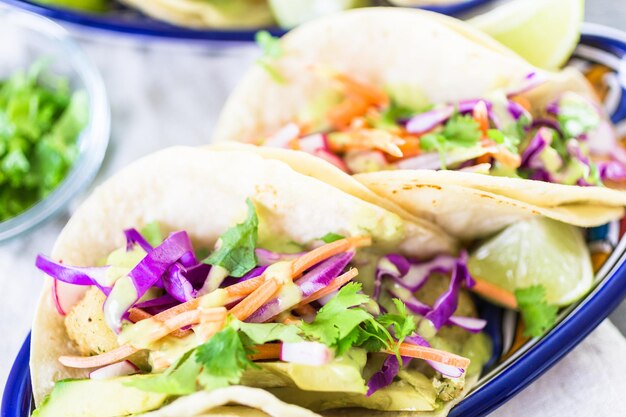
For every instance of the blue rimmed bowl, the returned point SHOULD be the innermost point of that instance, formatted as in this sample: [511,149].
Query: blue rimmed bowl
[130,22]
[516,363]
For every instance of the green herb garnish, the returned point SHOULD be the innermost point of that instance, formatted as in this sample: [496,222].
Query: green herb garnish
[236,246]
[538,315]
[40,122]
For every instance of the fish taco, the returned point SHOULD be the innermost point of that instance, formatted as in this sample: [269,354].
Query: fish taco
[198,282]
[418,102]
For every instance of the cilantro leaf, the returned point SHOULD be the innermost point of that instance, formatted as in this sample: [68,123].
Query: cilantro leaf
[337,319]
[538,315]
[272,50]
[510,142]
[459,131]
[236,250]
[373,336]
[223,358]
[260,333]
[402,323]
[389,116]
[331,237]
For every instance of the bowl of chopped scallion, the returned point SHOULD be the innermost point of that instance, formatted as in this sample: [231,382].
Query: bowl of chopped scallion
[54,121]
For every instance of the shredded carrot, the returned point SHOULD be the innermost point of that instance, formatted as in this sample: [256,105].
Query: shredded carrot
[305,310]
[410,147]
[342,114]
[208,328]
[370,93]
[367,139]
[243,288]
[483,159]
[317,255]
[289,319]
[481,116]
[432,354]
[266,351]
[188,318]
[523,101]
[137,314]
[255,300]
[331,287]
[495,293]
[507,158]
[97,361]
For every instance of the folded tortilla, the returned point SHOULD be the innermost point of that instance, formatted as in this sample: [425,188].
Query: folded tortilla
[426,58]
[203,192]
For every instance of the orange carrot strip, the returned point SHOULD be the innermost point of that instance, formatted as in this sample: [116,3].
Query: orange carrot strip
[254,301]
[97,361]
[495,293]
[289,319]
[370,93]
[266,351]
[206,329]
[305,310]
[333,286]
[432,354]
[367,139]
[324,252]
[244,288]
[137,314]
[481,116]
[341,115]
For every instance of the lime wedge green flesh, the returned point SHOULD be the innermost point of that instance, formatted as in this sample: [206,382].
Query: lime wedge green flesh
[544,32]
[536,252]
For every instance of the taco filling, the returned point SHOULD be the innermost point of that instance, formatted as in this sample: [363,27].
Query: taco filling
[362,128]
[333,324]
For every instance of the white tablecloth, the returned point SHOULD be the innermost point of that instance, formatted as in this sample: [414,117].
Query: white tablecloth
[171,94]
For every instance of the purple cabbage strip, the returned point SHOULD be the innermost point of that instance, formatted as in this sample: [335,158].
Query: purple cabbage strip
[387,373]
[253,273]
[266,257]
[515,109]
[177,285]
[314,280]
[447,303]
[399,268]
[419,272]
[148,272]
[157,305]
[611,170]
[445,370]
[133,237]
[424,122]
[530,155]
[76,275]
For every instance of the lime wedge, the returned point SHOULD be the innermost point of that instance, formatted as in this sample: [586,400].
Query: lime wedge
[544,32]
[536,252]
[291,13]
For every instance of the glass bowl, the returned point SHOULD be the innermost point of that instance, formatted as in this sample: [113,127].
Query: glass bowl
[28,37]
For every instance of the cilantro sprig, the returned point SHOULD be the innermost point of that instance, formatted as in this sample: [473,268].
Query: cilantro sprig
[538,315]
[272,50]
[237,245]
[460,131]
[343,324]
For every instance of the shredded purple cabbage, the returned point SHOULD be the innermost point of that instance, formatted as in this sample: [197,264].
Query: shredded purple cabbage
[266,257]
[312,281]
[133,237]
[426,121]
[76,275]
[385,376]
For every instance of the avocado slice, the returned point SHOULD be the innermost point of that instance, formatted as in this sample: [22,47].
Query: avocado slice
[98,398]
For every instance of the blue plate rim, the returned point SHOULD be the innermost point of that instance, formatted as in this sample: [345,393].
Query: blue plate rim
[164,30]
[503,386]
